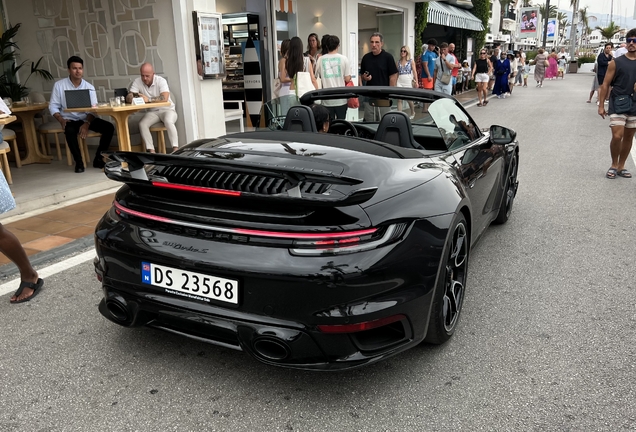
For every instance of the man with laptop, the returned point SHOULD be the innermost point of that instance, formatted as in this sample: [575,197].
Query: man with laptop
[150,88]
[75,92]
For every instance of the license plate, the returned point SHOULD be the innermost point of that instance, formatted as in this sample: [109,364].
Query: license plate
[190,284]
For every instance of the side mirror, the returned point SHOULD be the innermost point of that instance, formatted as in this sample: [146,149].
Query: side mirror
[501,135]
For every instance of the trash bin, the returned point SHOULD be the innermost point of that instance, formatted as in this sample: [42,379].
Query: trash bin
[574,66]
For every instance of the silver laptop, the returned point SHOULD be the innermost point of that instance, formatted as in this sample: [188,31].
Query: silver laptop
[78,98]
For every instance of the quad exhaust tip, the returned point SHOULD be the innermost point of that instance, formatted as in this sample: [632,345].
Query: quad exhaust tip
[118,311]
[271,349]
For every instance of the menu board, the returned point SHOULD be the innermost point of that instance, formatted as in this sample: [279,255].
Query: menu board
[209,44]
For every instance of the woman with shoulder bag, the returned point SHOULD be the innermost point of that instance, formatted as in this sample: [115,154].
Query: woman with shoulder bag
[284,79]
[406,67]
[299,69]
[540,64]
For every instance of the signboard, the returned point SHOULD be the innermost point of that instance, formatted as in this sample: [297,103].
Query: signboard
[530,22]
[553,29]
[208,37]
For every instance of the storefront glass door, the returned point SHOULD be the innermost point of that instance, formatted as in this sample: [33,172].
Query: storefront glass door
[391,25]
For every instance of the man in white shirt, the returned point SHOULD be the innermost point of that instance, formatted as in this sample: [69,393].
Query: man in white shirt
[75,123]
[621,50]
[153,88]
[334,71]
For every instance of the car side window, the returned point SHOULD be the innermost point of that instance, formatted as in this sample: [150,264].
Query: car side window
[455,126]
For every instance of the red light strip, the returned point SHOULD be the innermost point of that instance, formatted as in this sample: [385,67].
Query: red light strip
[274,234]
[142,215]
[196,189]
[367,325]
[305,235]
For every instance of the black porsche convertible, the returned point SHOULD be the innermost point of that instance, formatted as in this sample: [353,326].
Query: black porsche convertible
[305,249]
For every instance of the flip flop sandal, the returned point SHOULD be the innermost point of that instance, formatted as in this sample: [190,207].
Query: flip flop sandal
[624,173]
[611,173]
[480,104]
[486,103]
[36,287]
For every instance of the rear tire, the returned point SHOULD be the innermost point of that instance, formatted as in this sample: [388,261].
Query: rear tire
[510,191]
[451,286]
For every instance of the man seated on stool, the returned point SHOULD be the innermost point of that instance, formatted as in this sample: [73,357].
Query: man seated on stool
[151,88]
[79,123]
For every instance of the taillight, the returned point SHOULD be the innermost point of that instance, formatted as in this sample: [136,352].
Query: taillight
[358,327]
[353,242]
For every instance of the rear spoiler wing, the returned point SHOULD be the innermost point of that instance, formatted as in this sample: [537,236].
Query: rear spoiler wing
[130,168]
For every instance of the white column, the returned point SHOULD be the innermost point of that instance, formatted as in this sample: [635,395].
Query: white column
[202,100]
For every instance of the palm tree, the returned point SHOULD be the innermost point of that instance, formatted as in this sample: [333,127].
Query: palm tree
[575,5]
[609,31]
[584,20]
[563,24]
[552,11]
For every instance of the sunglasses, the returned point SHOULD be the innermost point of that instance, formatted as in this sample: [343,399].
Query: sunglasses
[630,40]
[482,53]
[402,50]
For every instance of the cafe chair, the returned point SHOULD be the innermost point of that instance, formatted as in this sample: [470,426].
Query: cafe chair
[160,128]
[44,131]
[86,157]
[4,149]
[37,97]
[9,135]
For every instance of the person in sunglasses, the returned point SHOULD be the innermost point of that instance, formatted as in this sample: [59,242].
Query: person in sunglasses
[481,76]
[621,76]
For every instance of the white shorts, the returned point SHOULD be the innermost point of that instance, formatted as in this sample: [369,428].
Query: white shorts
[623,120]
[481,77]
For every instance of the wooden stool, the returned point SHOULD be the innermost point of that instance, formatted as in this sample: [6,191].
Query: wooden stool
[9,135]
[160,128]
[52,128]
[4,149]
[84,147]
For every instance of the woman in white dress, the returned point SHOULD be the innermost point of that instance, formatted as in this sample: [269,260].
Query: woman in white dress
[406,78]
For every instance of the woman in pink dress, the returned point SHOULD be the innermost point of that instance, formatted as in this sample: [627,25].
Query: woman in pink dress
[553,70]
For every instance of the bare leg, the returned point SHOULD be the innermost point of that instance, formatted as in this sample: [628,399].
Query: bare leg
[616,144]
[11,247]
[625,147]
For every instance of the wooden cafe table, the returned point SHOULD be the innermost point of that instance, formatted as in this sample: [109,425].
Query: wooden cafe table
[120,114]
[26,113]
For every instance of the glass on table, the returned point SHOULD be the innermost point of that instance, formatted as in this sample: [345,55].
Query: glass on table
[113,102]
[26,100]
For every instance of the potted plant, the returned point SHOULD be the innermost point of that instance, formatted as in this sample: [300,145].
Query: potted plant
[9,85]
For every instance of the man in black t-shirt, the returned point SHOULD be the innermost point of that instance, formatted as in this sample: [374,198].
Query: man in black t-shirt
[377,68]
[620,76]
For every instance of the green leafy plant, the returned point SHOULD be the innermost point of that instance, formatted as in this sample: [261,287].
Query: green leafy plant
[586,59]
[9,83]
[481,10]
[421,19]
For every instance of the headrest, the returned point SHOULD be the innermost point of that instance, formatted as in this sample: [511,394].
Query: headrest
[300,118]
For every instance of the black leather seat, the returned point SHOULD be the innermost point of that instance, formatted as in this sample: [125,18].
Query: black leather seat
[300,118]
[395,128]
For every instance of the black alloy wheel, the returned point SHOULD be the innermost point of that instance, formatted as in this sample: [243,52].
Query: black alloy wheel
[451,286]
[510,191]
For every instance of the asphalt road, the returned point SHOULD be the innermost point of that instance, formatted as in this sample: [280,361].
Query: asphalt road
[546,340]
